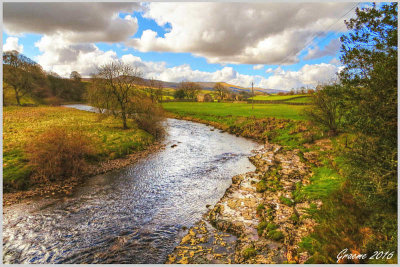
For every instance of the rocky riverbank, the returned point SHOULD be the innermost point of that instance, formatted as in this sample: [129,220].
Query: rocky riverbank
[258,219]
[67,186]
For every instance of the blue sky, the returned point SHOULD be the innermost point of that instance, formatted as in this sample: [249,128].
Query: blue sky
[161,42]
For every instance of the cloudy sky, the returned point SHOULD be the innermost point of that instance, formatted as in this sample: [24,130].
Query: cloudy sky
[279,46]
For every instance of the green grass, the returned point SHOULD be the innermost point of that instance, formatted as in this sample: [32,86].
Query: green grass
[324,181]
[22,124]
[226,110]
[276,97]
[306,99]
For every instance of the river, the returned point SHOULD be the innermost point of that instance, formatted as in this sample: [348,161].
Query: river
[136,214]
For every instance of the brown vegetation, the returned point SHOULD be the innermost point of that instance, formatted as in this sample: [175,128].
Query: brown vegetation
[58,153]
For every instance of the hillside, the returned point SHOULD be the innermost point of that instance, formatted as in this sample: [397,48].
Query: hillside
[210,86]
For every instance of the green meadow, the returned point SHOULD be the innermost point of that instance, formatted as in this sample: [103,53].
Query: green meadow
[228,110]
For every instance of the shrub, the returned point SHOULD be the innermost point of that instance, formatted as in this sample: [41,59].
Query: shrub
[58,153]
[148,116]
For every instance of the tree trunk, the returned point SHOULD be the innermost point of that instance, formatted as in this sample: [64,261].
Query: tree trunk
[123,115]
[17,97]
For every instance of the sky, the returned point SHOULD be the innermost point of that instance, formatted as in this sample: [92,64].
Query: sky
[274,45]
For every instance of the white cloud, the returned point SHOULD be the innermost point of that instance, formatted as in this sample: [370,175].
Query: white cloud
[78,22]
[329,50]
[12,44]
[258,67]
[256,33]
[308,75]
[63,57]
[269,70]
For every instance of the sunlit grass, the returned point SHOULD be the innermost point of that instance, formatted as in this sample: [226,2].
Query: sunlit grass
[22,124]
[202,110]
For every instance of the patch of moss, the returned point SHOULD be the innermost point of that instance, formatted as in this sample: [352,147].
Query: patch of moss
[294,218]
[261,227]
[261,186]
[249,252]
[275,235]
[286,201]
[271,226]
[260,208]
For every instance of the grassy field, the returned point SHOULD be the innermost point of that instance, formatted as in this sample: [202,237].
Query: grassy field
[305,99]
[228,110]
[22,124]
[276,97]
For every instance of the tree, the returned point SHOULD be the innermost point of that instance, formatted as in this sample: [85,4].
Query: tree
[190,89]
[23,75]
[116,85]
[221,91]
[370,73]
[370,58]
[179,94]
[369,195]
[75,76]
[154,89]
[327,108]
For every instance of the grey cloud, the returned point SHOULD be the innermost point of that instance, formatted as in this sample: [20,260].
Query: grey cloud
[329,50]
[251,33]
[80,22]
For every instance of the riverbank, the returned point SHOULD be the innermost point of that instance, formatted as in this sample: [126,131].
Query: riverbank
[259,214]
[111,145]
[269,212]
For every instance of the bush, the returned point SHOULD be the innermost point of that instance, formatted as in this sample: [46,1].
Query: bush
[149,116]
[58,153]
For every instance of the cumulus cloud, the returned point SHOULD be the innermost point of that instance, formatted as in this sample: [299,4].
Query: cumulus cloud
[258,67]
[12,44]
[329,50]
[256,33]
[308,75]
[63,57]
[78,22]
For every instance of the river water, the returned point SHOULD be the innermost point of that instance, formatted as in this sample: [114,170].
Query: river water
[133,215]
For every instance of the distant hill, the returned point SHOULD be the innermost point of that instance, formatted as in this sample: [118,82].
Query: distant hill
[235,88]
[210,86]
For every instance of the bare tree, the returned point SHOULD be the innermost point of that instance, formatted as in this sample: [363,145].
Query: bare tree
[221,91]
[190,89]
[154,89]
[117,83]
